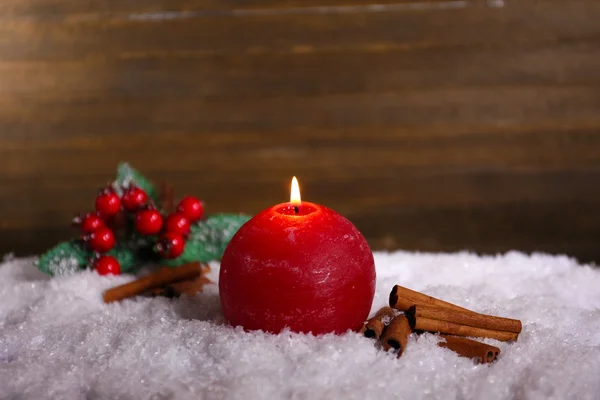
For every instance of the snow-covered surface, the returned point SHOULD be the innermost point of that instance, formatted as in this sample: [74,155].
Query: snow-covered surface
[58,340]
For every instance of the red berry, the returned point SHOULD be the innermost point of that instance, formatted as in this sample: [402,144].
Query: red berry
[170,245]
[105,265]
[100,240]
[191,207]
[88,222]
[134,198]
[148,221]
[177,223]
[108,202]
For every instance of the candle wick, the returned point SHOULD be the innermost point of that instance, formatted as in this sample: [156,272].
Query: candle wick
[296,209]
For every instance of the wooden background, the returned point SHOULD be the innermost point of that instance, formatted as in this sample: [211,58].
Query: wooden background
[432,125]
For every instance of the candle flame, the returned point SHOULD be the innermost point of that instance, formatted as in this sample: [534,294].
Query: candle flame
[295,192]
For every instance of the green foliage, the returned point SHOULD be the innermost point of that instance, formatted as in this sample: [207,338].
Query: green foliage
[64,259]
[209,238]
[126,175]
[127,258]
[68,258]
[206,242]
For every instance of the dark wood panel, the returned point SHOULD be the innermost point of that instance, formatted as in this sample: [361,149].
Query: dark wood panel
[505,105]
[59,8]
[522,225]
[297,32]
[438,125]
[243,76]
[452,171]
[363,152]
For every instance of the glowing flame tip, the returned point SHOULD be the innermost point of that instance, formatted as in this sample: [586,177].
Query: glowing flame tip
[295,192]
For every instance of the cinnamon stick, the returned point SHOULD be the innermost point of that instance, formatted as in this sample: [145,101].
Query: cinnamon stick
[402,299]
[465,318]
[451,328]
[160,278]
[177,289]
[189,288]
[481,352]
[374,326]
[396,334]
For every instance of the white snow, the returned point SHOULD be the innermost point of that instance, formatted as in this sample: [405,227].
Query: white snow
[58,340]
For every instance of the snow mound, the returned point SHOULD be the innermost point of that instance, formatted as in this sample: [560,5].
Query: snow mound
[58,340]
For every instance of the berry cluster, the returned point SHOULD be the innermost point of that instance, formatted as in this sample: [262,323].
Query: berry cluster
[171,230]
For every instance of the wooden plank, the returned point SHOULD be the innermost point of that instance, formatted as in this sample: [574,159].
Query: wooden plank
[51,8]
[424,172]
[541,148]
[503,105]
[240,76]
[292,33]
[530,227]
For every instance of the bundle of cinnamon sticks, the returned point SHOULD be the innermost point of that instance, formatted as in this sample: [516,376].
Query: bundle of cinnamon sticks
[187,279]
[411,311]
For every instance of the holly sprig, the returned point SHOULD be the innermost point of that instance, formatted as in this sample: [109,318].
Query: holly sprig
[69,257]
[124,238]
[209,238]
[128,177]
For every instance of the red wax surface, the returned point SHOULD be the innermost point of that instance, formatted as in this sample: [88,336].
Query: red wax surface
[309,271]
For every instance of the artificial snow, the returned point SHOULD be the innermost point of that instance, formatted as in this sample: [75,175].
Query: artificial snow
[58,340]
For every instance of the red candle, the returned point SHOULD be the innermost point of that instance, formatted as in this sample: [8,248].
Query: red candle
[297,265]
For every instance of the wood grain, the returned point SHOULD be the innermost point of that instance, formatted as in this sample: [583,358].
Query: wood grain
[432,125]
[110,35]
[46,8]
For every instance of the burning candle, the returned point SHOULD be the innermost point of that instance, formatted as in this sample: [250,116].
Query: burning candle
[297,265]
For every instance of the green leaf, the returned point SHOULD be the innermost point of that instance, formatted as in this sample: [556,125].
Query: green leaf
[126,175]
[127,258]
[209,238]
[66,258]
